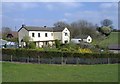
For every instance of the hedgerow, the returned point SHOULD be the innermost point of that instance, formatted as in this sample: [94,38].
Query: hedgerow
[48,54]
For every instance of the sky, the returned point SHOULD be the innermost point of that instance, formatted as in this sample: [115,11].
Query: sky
[14,14]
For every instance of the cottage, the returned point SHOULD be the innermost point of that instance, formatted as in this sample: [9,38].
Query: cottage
[82,38]
[44,36]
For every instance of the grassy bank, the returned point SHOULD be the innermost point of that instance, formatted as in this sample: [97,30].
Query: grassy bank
[111,39]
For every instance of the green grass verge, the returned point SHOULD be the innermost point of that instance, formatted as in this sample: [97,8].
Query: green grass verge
[16,72]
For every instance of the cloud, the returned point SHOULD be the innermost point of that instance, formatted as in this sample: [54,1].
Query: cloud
[72,4]
[67,14]
[28,5]
[40,0]
[20,6]
[63,19]
[50,7]
[93,16]
[62,5]
[60,0]
[108,5]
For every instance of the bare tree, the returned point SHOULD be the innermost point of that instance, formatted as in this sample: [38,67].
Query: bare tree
[5,32]
[82,27]
[61,24]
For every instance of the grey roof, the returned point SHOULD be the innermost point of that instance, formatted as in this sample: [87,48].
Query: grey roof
[81,37]
[58,29]
[33,28]
[114,47]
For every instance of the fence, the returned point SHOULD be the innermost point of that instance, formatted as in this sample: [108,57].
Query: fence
[61,60]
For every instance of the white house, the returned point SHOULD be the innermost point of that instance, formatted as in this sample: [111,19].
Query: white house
[75,40]
[84,38]
[87,39]
[44,36]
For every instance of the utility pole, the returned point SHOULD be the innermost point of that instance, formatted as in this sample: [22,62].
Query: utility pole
[15,28]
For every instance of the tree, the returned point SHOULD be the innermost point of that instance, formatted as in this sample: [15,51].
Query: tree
[106,30]
[9,35]
[57,43]
[26,39]
[106,27]
[82,27]
[78,28]
[61,24]
[5,32]
[106,22]
[32,45]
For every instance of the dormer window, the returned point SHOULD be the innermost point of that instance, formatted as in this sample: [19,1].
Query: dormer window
[33,34]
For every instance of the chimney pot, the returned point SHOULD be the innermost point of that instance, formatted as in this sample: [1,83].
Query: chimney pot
[23,25]
[45,26]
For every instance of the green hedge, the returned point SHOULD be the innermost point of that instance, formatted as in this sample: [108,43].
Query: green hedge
[49,54]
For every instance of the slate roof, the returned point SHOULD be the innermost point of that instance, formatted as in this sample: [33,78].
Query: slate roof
[58,29]
[33,28]
[81,37]
[114,47]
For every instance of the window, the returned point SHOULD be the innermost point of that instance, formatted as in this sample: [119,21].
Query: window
[79,40]
[33,35]
[51,34]
[88,39]
[66,34]
[46,35]
[38,34]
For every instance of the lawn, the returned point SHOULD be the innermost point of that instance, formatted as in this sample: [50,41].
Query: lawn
[17,72]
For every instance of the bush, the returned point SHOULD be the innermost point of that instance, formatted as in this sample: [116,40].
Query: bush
[57,43]
[64,49]
[85,50]
[48,54]
[32,45]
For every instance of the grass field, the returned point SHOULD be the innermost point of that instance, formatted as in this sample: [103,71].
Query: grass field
[16,72]
[112,39]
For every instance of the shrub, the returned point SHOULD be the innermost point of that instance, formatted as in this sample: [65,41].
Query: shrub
[64,49]
[57,43]
[32,45]
[48,54]
[85,50]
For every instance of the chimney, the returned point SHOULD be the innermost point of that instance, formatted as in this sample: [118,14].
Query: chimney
[23,25]
[45,26]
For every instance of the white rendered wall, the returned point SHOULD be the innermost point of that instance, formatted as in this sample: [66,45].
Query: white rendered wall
[42,35]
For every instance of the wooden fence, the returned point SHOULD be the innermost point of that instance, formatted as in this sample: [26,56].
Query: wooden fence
[60,60]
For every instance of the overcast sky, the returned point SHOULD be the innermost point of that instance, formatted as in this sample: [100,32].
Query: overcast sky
[14,14]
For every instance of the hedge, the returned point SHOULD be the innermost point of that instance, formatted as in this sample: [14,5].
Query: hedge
[49,54]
